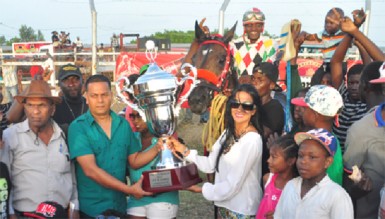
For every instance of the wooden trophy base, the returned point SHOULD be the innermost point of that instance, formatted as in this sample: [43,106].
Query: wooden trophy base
[166,180]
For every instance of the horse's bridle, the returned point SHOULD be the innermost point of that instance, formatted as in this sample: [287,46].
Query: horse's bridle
[221,82]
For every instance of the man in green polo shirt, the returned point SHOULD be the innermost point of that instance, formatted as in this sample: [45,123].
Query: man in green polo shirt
[100,142]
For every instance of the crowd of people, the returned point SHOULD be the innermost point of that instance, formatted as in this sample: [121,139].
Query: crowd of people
[63,40]
[69,156]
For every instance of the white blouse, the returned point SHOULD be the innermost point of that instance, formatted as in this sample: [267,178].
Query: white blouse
[237,184]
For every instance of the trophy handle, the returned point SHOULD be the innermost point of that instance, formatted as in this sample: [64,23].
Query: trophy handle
[127,88]
[183,80]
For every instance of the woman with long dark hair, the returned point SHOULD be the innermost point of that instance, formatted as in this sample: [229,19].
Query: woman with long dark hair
[235,159]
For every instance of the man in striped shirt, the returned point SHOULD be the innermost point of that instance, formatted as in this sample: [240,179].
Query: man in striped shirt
[331,36]
[354,109]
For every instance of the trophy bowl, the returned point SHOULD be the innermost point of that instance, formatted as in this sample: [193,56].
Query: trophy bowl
[155,92]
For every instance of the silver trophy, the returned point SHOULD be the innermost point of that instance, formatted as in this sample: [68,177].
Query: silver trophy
[155,91]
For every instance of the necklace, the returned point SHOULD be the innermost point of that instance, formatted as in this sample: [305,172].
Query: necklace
[72,112]
[234,139]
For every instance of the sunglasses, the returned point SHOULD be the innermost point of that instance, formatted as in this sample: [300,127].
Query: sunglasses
[133,116]
[246,106]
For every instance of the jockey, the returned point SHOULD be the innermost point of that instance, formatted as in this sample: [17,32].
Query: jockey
[252,48]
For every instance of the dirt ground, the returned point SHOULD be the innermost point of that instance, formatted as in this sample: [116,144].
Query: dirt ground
[193,205]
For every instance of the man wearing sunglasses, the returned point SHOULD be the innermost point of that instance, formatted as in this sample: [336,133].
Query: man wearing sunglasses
[252,48]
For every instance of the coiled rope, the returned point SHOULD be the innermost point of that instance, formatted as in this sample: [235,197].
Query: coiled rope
[216,123]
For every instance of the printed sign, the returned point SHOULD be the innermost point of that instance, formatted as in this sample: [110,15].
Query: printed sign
[160,179]
[129,63]
[29,47]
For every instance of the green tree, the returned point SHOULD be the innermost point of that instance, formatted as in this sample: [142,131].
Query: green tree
[3,41]
[40,36]
[13,40]
[176,36]
[27,34]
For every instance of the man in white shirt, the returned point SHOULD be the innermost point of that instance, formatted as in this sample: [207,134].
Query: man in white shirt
[37,156]
[79,44]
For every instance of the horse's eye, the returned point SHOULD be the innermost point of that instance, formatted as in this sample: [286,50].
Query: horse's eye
[222,59]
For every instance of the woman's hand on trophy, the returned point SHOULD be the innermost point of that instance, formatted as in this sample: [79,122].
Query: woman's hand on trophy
[194,188]
[175,145]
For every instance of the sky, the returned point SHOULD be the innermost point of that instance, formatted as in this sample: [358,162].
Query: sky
[146,17]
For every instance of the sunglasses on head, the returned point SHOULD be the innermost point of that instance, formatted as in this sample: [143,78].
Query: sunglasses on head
[133,116]
[246,106]
[251,15]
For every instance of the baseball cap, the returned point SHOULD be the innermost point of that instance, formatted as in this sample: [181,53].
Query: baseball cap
[322,136]
[323,99]
[69,70]
[48,209]
[270,71]
[381,79]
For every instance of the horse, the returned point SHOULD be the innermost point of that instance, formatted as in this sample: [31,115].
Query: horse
[211,56]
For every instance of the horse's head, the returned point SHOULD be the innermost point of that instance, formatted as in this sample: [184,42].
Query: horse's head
[212,59]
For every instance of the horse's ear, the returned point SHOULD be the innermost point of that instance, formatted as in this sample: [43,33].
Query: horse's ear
[199,34]
[230,34]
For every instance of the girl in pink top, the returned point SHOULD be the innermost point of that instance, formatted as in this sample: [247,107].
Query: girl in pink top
[283,155]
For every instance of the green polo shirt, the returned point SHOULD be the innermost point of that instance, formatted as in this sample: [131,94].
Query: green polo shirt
[336,169]
[85,136]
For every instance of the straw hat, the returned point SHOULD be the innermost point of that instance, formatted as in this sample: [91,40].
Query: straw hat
[38,88]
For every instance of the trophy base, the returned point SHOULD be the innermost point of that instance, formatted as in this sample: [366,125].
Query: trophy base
[166,180]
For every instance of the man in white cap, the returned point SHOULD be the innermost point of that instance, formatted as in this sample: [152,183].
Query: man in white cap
[322,106]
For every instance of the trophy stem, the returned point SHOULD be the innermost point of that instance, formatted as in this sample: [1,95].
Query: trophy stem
[166,159]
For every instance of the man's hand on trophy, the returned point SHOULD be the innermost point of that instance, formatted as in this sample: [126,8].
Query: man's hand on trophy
[137,190]
[194,188]
[160,144]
